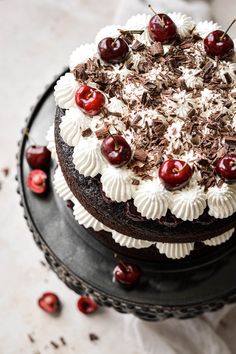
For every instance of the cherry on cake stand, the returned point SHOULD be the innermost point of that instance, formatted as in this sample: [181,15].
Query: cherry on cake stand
[183,289]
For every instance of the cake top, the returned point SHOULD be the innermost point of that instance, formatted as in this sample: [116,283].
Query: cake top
[151,106]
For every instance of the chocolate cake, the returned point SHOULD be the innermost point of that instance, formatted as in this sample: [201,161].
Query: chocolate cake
[144,136]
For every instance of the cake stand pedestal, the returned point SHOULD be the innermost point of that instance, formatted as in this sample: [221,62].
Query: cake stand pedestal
[181,289]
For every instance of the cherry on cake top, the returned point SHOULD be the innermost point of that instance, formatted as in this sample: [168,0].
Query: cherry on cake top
[116,150]
[89,100]
[219,44]
[175,174]
[113,50]
[226,168]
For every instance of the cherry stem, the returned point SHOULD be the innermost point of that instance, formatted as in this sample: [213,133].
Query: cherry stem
[31,140]
[117,146]
[225,32]
[176,170]
[161,21]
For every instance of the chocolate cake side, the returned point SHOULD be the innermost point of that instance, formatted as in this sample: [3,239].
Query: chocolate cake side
[114,215]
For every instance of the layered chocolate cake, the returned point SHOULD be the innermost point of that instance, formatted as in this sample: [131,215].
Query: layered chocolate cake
[144,136]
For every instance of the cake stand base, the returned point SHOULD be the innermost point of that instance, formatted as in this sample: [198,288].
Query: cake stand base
[180,289]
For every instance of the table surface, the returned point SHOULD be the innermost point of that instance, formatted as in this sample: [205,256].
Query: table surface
[36,39]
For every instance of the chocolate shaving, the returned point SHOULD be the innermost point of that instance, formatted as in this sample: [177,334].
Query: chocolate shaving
[227,78]
[137,46]
[62,339]
[230,140]
[207,68]
[144,98]
[135,182]
[156,49]
[54,345]
[86,132]
[102,133]
[140,155]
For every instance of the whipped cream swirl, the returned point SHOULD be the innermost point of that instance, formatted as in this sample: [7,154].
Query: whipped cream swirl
[218,240]
[175,250]
[60,185]
[85,218]
[188,203]
[152,199]
[203,28]
[183,23]
[64,91]
[82,54]
[72,125]
[117,183]
[87,157]
[129,242]
[221,201]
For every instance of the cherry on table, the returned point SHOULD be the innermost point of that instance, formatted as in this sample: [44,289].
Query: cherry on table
[38,156]
[89,100]
[226,168]
[162,28]
[86,305]
[127,275]
[116,150]
[175,174]
[50,303]
[113,50]
[219,44]
[37,181]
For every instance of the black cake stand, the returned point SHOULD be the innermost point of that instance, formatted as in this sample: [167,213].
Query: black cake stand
[180,289]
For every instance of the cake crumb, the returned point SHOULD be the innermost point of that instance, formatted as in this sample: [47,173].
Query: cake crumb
[93,337]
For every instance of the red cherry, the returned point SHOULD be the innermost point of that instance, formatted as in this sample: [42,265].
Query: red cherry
[113,50]
[162,29]
[218,44]
[116,150]
[38,156]
[37,181]
[175,174]
[89,100]
[226,168]
[50,303]
[127,274]
[86,305]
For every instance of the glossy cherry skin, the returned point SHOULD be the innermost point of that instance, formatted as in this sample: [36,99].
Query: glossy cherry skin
[86,305]
[226,168]
[162,29]
[116,150]
[50,303]
[38,157]
[216,46]
[89,100]
[175,174]
[113,50]
[37,181]
[127,275]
